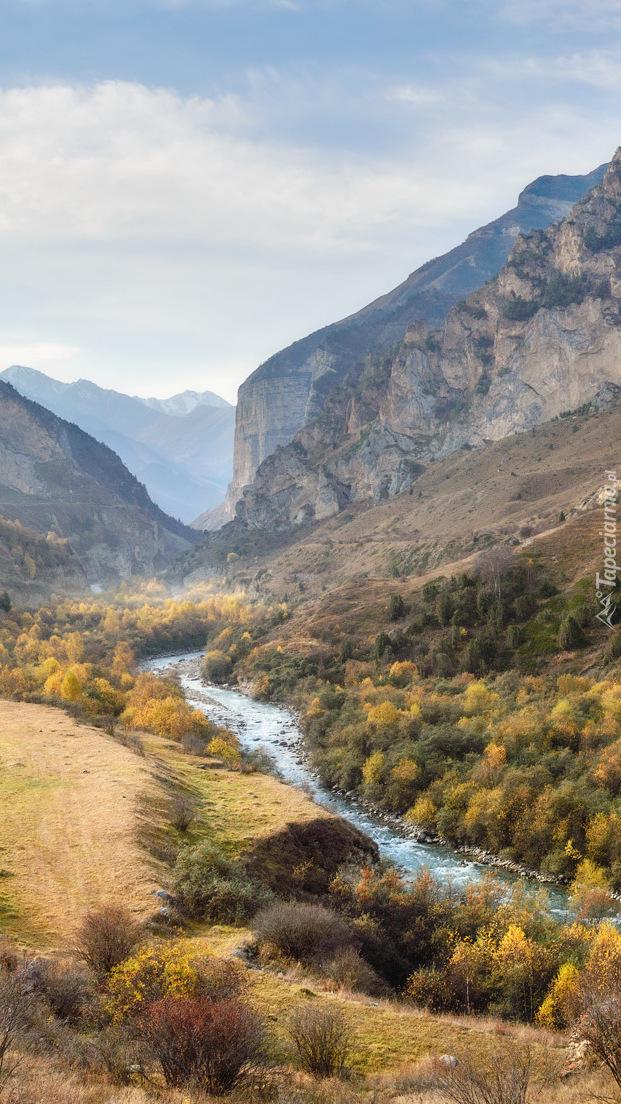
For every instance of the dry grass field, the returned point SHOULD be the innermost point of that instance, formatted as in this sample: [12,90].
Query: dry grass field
[68,811]
[76,808]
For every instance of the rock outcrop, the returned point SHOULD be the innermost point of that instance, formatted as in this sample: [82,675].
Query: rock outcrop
[540,339]
[58,482]
[291,388]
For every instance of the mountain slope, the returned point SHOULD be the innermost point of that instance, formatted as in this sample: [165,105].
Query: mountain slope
[289,390]
[181,448]
[59,482]
[542,338]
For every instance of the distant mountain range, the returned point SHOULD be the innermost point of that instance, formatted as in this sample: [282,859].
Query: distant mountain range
[290,389]
[181,448]
[185,403]
[70,511]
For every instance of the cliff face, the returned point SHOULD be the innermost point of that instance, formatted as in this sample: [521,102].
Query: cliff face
[291,388]
[58,482]
[542,338]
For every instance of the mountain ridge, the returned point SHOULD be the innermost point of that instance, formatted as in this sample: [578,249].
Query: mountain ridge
[60,483]
[291,387]
[542,337]
[183,454]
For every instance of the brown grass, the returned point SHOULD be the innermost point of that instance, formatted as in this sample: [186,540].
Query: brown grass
[82,817]
[68,806]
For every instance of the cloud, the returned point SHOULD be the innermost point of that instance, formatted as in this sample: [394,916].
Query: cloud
[37,354]
[121,161]
[158,232]
[592,17]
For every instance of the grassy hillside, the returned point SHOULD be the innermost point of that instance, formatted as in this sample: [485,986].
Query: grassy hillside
[69,796]
[81,813]
[85,820]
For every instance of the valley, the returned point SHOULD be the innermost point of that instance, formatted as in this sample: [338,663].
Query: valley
[252,778]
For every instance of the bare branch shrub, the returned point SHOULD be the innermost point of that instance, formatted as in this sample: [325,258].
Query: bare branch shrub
[182,812]
[67,988]
[14,1019]
[323,1041]
[600,1027]
[213,1044]
[116,1052]
[504,1078]
[106,938]
[306,933]
[348,970]
[9,956]
[193,744]
[218,978]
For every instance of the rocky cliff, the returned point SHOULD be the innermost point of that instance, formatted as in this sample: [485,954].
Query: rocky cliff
[58,482]
[290,389]
[540,339]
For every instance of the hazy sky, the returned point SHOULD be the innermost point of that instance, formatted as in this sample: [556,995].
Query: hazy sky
[188,186]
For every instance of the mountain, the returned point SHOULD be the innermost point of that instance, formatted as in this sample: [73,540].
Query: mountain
[289,389]
[185,402]
[71,492]
[181,448]
[539,340]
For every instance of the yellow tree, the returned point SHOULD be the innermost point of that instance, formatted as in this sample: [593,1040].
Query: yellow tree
[71,687]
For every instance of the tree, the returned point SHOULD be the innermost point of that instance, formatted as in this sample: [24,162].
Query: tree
[570,634]
[5,602]
[71,687]
[494,566]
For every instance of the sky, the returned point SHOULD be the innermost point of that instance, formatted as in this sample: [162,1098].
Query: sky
[187,186]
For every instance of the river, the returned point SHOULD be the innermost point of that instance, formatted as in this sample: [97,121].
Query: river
[275,730]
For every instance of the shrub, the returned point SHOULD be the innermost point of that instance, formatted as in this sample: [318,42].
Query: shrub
[323,1040]
[67,988]
[215,1044]
[504,1078]
[348,970]
[396,607]
[165,969]
[520,309]
[182,812]
[561,290]
[211,886]
[217,667]
[570,634]
[306,933]
[106,938]
[14,1018]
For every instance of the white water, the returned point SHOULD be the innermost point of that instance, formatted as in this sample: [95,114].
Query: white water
[274,730]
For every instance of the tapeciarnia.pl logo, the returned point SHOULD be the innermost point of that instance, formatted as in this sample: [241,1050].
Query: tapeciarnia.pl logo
[606,583]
